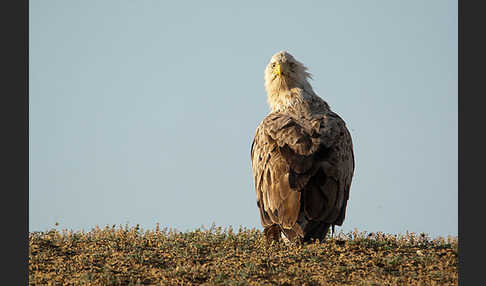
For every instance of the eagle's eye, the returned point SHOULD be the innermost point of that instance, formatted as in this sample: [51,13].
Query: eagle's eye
[273,65]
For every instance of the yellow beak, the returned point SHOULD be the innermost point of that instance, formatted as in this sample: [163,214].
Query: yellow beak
[279,70]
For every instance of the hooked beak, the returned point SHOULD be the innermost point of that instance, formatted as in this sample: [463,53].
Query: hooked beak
[278,70]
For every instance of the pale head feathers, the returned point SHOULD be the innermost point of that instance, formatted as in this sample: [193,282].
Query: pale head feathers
[286,82]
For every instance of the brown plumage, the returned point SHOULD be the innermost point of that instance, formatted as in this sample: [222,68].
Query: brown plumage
[302,157]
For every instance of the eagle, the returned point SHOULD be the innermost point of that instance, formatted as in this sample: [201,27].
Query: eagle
[302,157]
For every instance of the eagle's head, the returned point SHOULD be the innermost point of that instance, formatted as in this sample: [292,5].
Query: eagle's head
[282,74]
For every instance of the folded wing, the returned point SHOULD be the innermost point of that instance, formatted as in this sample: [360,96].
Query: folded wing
[302,166]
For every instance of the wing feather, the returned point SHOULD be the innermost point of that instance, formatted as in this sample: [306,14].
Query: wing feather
[302,161]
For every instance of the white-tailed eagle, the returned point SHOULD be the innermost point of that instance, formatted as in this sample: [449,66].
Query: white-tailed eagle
[302,157]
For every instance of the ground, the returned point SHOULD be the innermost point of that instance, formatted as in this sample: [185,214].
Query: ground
[217,256]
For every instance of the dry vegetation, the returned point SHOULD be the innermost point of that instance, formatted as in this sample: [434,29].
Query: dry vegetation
[131,256]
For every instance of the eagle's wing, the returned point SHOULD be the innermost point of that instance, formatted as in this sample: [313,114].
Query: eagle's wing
[289,154]
[338,168]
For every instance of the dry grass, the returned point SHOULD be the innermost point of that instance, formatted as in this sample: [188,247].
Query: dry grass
[131,256]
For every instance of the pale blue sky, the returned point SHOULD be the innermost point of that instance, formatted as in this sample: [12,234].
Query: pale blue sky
[144,111]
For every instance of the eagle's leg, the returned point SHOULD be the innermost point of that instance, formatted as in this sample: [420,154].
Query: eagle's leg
[272,233]
[316,230]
